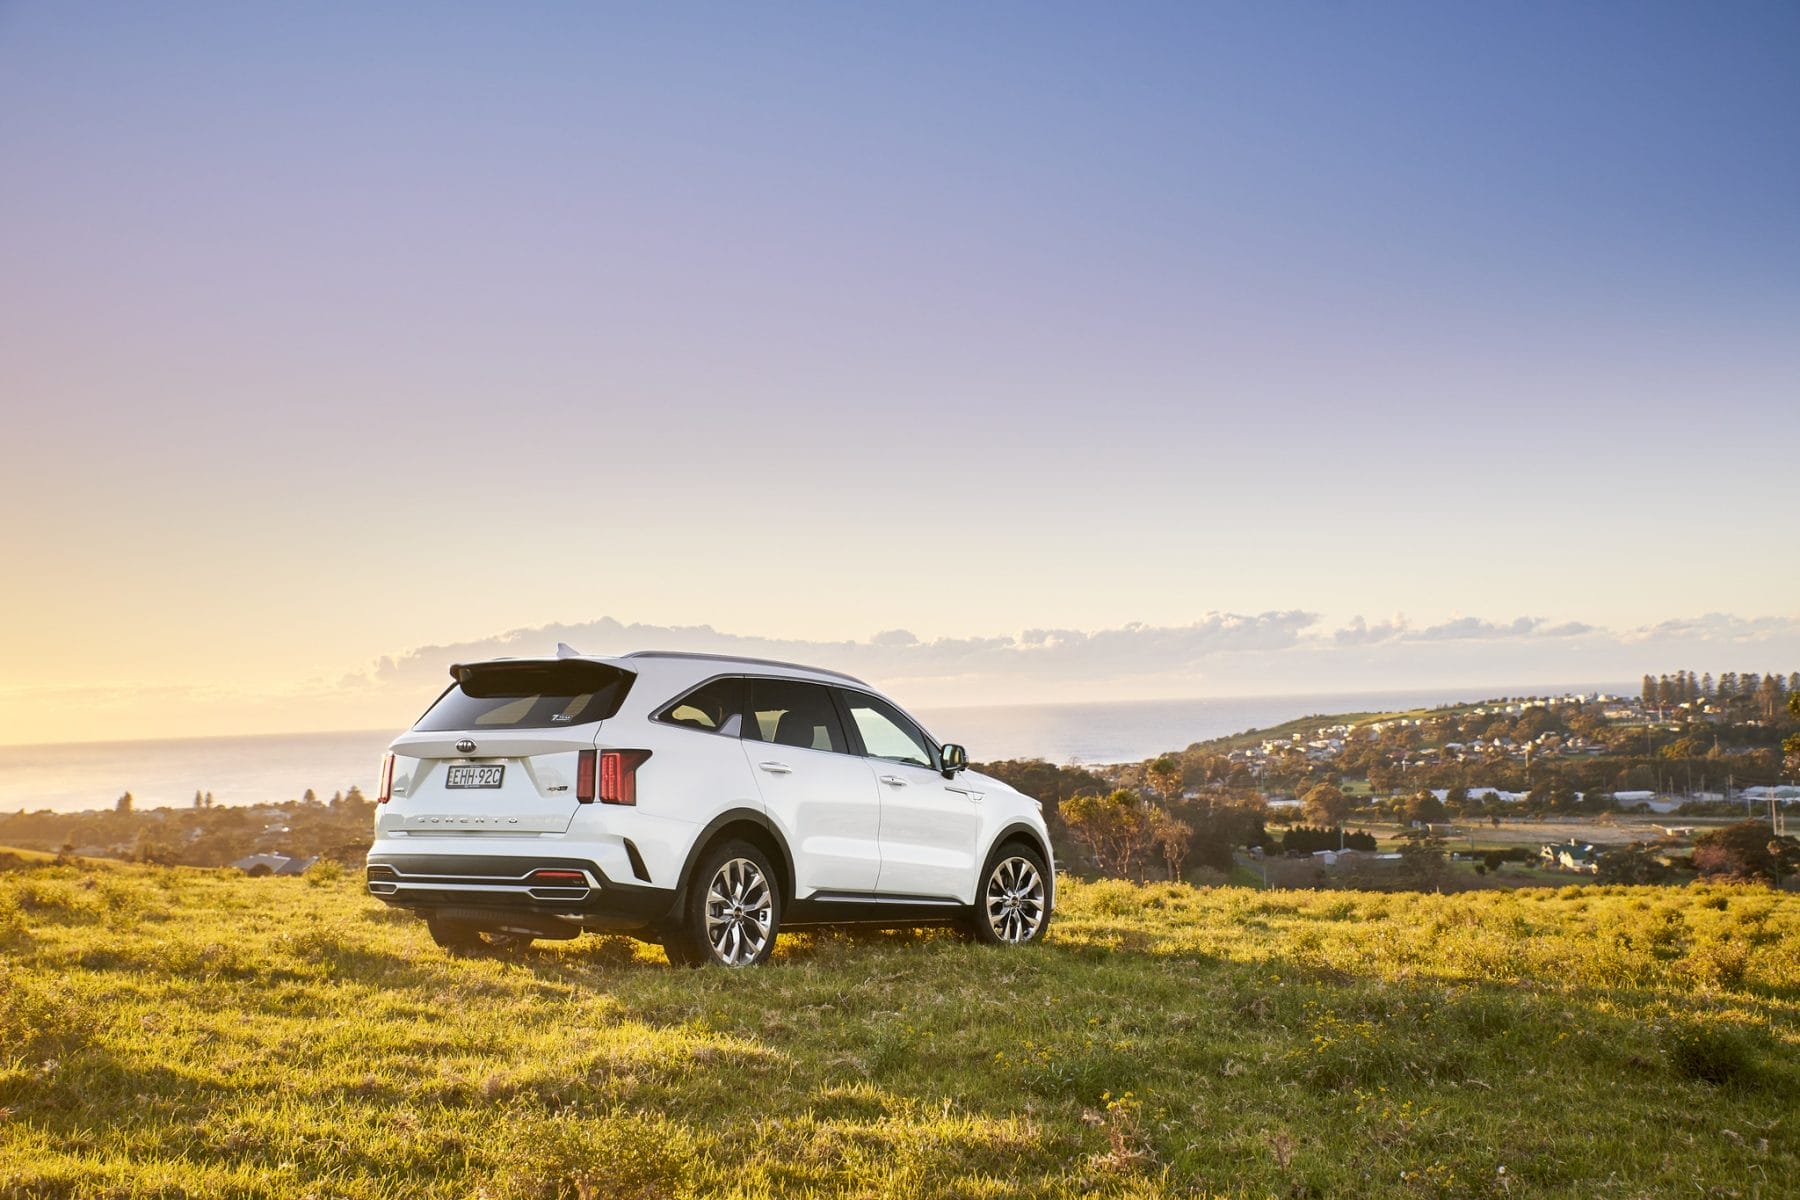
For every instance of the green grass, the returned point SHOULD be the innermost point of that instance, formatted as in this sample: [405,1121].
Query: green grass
[174,1033]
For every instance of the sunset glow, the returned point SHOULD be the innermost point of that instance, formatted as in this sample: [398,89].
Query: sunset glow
[1247,348]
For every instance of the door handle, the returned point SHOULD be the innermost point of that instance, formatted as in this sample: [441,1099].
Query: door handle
[893,781]
[776,768]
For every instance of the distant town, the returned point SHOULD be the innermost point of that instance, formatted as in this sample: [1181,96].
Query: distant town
[1645,788]
[1556,782]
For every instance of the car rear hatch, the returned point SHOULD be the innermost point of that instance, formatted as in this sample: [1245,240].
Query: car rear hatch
[500,753]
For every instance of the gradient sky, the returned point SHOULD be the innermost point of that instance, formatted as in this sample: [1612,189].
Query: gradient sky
[328,333]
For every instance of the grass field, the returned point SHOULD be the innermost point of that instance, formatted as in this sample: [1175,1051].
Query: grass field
[172,1033]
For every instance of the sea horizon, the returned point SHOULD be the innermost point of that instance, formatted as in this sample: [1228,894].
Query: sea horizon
[256,768]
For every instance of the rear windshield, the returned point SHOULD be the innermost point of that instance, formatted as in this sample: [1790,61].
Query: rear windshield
[529,696]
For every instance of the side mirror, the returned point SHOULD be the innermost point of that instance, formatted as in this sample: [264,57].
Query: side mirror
[955,759]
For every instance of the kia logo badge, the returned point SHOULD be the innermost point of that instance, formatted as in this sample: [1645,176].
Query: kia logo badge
[465,747]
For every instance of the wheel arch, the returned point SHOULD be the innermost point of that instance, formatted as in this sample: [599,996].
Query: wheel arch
[1019,833]
[755,828]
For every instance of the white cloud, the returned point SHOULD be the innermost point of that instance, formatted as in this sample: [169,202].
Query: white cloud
[1219,654]
[1222,654]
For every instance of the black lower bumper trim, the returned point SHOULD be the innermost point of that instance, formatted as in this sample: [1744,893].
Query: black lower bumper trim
[500,885]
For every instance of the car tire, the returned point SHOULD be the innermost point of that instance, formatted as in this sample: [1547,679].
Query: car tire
[731,913]
[1012,905]
[462,939]
[458,937]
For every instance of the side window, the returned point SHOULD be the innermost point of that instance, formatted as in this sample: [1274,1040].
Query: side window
[716,707]
[886,733]
[788,712]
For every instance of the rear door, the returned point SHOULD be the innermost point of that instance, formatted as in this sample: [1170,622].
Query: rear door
[930,826]
[498,753]
[811,783]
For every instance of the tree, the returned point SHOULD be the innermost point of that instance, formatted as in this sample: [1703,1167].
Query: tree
[1424,808]
[1706,686]
[1649,693]
[1768,696]
[1422,859]
[123,804]
[198,799]
[1639,862]
[1381,777]
[1165,777]
[1115,828]
[1746,852]
[1327,805]
[1173,839]
[1792,744]
[308,797]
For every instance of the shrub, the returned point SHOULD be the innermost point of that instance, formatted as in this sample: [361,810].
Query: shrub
[1715,1054]
[324,872]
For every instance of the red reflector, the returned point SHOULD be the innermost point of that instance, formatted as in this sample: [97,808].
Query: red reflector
[386,791]
[584,777]
[618,775]
[577,876]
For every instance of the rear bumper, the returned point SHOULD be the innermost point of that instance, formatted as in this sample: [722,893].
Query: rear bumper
[512,887]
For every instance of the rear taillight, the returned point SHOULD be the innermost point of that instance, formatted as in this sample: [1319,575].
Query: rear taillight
[558,877]
[386,791]
[618,775]
[584,776]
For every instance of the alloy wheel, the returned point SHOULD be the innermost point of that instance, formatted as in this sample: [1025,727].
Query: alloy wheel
[1015,900]
[740,912]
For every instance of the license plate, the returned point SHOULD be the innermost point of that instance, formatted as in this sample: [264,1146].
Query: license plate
[474,777]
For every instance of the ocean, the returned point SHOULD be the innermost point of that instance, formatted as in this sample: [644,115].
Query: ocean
[251,770]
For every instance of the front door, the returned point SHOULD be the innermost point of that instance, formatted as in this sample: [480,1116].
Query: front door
[930,826]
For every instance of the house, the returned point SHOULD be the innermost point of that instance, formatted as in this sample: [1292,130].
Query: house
[273,864]
[1571,856]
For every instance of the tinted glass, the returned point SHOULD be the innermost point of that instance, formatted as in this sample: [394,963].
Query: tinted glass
[529,696]
[786,712]
[886,733]
[716,707]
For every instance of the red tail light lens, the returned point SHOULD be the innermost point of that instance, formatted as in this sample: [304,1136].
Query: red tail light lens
[618,775]
[386,791]
[584,776]
[559,876]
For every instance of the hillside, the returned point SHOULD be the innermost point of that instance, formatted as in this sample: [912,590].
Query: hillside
[174,1032]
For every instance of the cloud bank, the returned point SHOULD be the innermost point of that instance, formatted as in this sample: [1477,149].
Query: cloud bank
[1287,652]
[1219,654]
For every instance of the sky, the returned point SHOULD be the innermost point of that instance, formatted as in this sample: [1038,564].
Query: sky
[1174,350]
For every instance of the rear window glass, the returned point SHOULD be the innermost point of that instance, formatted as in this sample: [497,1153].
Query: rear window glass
[529,696]
[716,707]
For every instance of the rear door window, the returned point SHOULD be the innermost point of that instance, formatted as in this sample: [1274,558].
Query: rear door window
[791,712]
[529,696]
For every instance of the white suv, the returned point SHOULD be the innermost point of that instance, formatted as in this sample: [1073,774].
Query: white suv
[699,800]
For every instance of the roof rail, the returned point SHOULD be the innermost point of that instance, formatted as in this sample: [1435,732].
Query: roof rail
[737,658]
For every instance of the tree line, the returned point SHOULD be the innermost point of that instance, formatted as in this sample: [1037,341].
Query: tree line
[1764,694]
